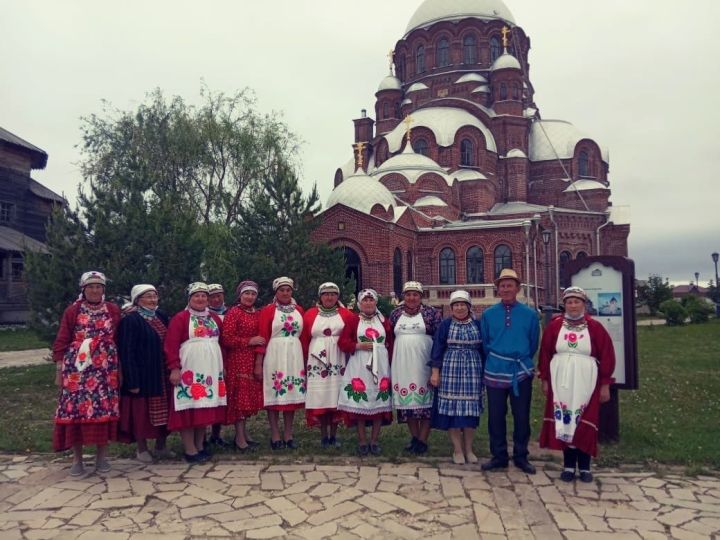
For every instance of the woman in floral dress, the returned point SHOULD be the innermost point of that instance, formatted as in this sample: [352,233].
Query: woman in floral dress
[279,363]
[195,360]
[577,360]
[414,325]
[87,374]
[457,377]
[240,338]
[322,326]
[365,391]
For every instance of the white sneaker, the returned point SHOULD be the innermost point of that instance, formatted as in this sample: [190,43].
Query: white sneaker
[471,458]
[144,457]
[77,469]
[102,466]
[458,459]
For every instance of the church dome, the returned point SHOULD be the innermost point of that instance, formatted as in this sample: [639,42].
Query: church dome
[361,193]
[505,61]
[390,83]
[433,11]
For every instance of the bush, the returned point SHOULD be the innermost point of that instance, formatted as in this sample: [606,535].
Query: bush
[674,313]
[698,310]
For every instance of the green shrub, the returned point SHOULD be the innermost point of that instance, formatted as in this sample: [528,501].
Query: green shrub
[674,313]
[698,310]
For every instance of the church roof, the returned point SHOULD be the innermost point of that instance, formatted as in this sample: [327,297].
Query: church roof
[409,163]
[585,185]
[444,122]
[416,87]
[391,82]
[560,135]
[483,88]
[462,175]
[361,193]
[430,200]
[433,11]
[505,61]
[472,77]
[39,156]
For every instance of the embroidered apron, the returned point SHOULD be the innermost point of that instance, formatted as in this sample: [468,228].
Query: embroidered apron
[283,365]
[325,363]
[410,372]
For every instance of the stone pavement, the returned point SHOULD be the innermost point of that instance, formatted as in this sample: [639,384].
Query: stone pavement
[238,499]
[30,357]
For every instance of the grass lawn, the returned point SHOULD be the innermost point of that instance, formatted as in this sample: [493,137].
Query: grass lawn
[20,339]
[674,418]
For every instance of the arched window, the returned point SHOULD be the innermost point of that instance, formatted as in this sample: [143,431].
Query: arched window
[442,53]
[565,258]
[409,256]
[397,109]
[503,259]
[420,60]
[400,68]
[386,110]
[475,261]
[397,271]
[447,267]
[495,49]
[467,153]
[583,164]
[420,146]
[469,49]
[353,268]
[515,91]
[580,255]
[503,91]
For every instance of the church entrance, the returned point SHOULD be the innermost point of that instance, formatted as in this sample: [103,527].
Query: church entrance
[353,269]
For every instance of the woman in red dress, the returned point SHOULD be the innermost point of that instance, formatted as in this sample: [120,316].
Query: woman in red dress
[240,338]
[87,374]
[577,360]
[194,358]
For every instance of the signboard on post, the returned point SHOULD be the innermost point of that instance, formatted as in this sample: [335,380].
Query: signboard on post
[609,282]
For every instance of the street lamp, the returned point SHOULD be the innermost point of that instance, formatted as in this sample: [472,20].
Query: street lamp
[547,309]
[697,282]
[715,260]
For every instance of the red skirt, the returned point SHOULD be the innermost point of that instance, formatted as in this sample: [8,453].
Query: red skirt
[135,420]
[65,436]
[313,417]
[194,418]
[289,407]
[352,419]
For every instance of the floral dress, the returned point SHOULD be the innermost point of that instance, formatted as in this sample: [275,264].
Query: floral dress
[90,391]
[410,370]
[283,366]
[245,394]
[365,392]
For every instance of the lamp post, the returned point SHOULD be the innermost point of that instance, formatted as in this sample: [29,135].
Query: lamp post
[697,282]
[716,299]
[715,260]
[547,310]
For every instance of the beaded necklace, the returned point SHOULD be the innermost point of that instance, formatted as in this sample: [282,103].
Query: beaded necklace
[327,312]
[575,326]
[285,308]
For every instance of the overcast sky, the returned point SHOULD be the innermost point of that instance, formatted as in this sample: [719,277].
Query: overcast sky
[639,76]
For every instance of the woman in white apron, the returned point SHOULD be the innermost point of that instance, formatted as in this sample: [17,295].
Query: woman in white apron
[280,364]
[194,358]
[322,326]
[577,360]
[366,390]
[414,325]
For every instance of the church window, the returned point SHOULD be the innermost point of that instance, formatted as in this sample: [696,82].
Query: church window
[495,50]
[475,262]
[565,258]
[386,110]
[409,257]
[397,271]
[400,68]
[7,211]
[447,267]
[469,49]
[581,255]
[442,54]
[467,153]
[516,91]
[503,91]
[420,146]
[353,267]
[503,259]
[583,164]
[420,60]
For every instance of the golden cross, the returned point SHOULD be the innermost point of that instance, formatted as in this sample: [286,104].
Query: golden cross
[505,31]
[359,147]
[390,56]
[408,120]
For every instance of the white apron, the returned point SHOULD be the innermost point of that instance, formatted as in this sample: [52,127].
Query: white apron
[325,363]
[366,387]
[410,372]
[573,373]
[283,366]
[202,385]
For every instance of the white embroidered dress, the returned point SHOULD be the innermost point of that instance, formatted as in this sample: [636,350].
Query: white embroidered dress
[573,373]
[410,370]
[283,365]
[325,363]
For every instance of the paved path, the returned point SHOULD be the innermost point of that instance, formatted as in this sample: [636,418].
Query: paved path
[31,357]
[353,500]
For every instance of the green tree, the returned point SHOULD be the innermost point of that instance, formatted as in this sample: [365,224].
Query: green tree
[654,292]
[674,312]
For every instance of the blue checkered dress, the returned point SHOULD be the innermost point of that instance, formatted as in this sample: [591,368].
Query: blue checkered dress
[461,387]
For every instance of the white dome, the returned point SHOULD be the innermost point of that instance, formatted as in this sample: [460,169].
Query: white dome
[361,193]
[430,200]
[505,61]
[550,136]
[472,77]
[390,83]
[516,153]
[433,11]
[415,87]
[483,89]
[408,160]
[463,175]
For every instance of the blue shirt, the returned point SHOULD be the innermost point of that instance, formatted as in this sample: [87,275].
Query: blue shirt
[510,334]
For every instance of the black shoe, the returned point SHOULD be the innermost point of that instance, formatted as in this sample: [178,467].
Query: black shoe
[420,448]
[194,458]
[375,449]
[277,445]
[252,444]
[363,450]
[220,442]
[206,454]
[525,466]
[291,445]
[567,476]
[410,447]
[586,476]
[493,464]
[325,442]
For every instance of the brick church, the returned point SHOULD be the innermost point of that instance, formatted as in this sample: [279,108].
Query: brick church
[459,175]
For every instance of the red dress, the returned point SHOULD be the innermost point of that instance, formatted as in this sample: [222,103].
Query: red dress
[245,394]
[88,405]
[586,433]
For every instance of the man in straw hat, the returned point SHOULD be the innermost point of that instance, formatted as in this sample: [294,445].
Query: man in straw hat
[510,334]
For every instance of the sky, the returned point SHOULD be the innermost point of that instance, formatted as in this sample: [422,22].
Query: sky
[640,77]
